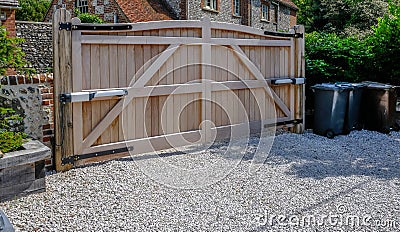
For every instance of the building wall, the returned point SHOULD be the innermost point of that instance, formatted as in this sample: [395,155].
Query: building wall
[224,13]
[32,98]
[284,18]
[37,45]
[104,8]
[251,17]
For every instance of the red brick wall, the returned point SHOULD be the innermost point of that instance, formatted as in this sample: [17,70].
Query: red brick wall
[9,23]
[293,18]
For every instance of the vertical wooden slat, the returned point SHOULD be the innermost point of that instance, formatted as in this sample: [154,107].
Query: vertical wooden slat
[105,83]
[177,80]
[86,106]
[77,75]
[162,99]
[129,119]
[206,74]
[62,62]
[139,102]
[184,79]
[114,83]
[122,82]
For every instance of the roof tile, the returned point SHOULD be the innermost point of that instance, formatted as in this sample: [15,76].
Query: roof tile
[289,3]
[145,10]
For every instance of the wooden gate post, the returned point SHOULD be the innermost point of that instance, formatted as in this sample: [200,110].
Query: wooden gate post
[62,66]
[300,72]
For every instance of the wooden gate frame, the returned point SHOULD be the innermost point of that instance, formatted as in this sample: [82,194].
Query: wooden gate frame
[69,142]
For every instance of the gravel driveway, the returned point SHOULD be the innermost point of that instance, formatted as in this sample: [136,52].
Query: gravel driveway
[308,183]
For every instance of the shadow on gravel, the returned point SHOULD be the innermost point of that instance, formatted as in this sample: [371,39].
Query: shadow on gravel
[362,153]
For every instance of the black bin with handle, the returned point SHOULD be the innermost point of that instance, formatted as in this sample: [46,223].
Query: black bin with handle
[330,108]
[353,115]
[379,107]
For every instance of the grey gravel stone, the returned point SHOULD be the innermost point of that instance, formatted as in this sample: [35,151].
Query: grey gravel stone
[338,182]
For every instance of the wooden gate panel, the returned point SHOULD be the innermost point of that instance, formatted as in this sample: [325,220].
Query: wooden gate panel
[159,65]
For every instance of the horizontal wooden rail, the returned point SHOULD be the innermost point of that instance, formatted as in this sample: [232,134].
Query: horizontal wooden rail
[160,90]
[133,40]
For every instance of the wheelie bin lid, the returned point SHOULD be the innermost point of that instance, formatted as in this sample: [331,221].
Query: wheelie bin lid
[334,87]
[377,85]
[354,85]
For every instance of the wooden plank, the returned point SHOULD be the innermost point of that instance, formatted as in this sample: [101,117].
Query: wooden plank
[105,83]
[250,42]
[17,175]
[146,39]
[122,82]
[86,106]
[292,59]
[62,62]
[259,76]
[277,62]
[95,83]
[206,75]
[162,142]
[162,99]
[114,112]
[282,72]
[129,119]
[23,189]
[177,80]
[114,83]
[77,85]
[184,79]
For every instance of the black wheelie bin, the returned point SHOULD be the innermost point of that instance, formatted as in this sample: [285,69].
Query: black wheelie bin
[330,106]
[379,107]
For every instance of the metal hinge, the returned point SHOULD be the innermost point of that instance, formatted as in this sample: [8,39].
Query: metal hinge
[65,26]
[72,159]
[281,34]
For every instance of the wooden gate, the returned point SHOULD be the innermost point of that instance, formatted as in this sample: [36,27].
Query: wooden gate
[168,77]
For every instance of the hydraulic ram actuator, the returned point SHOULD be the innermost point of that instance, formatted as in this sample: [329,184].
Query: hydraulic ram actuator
[88,96]
[295,81]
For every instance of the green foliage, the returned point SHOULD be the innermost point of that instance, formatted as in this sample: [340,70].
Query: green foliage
[11,124]
[32,10]
[11,56]
[90,18]
[87,17]
[347,17]
[11,141]
[385,46]
[331,58]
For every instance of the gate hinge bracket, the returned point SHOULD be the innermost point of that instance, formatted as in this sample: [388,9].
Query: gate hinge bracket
[74,158]
[65,26]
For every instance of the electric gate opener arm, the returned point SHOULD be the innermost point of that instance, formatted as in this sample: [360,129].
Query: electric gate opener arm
[295,81]
[88,96]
